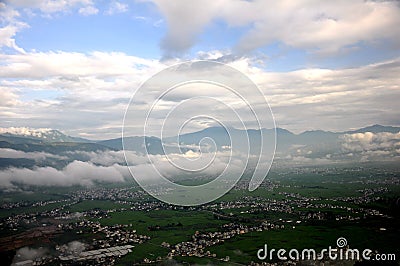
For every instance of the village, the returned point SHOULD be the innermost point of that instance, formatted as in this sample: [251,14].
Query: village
[106,244]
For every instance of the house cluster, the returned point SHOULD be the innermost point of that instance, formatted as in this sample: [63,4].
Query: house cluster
[117,234]
[103,256]
[200,241]
[121,195]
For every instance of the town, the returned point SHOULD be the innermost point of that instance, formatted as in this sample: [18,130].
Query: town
[112,223]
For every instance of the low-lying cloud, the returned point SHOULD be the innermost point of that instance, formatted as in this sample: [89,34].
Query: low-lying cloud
[370,146]
[27,253]
[371,141]
[87,168]
[37,156]
[75,173]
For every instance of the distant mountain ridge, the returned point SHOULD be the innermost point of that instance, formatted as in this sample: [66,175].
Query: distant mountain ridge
[218,134]
[375,129]
[308,145]
[31,135]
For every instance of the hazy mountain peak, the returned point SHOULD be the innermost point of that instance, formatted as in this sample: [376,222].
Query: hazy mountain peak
[26,131]
[280,130]
[318,131]
[376,129]
[42,134]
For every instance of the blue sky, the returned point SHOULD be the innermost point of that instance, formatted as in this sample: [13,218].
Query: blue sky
[309,58]
[131,31]
[139,27]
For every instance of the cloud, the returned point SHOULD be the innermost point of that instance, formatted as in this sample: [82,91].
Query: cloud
[37,156]
[7,14]
[27,253]
[371,141]
[89,92]
[109,166]
[74,247]
[9,26]
[47,6]
[325,27]
[105,158]
[80,85]
[302,160]
[25,131]
[72,66]
[7,36]
[8,97]
[88,10]
[331,99]
[75,173]
[185,26]
[88,168]
[174,166]
[116,8]
[371,146]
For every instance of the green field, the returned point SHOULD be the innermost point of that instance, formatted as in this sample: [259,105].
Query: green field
[287,187]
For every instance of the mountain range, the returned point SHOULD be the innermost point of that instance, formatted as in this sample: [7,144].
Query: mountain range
[309,144]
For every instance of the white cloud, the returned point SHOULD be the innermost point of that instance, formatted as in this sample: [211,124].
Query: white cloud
[72,66]
[178,165]
[371,141]
[72,91]
[9,26]
[25,131]
[373,146]
[91,92]
[116,8]
[302,160]
[84,85]
[324,27]
[109,166]
[27,253]
[88,10]
[49,6]
[332,99]
[74,247]
[7,35]
[7,14]
[75,173]
[8,97]
[105,158]
[37,156]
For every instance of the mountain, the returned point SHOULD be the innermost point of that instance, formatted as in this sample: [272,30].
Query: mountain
[309,145]
[135,143]
[318,137]
[218,134]
[55,147]
[19,140]
[40,135]
[375,129]
[50,140]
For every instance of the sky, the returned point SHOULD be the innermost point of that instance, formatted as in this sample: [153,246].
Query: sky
[74,65]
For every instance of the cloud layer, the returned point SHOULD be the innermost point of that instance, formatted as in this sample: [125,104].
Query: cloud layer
[323,27]
[75,173]
[88,168]
[372,146]
[37,156]
[87,94]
